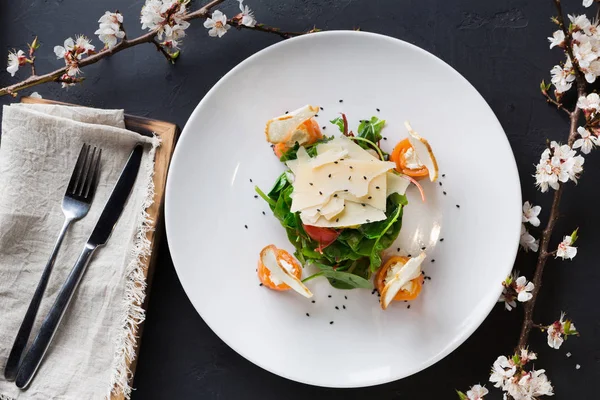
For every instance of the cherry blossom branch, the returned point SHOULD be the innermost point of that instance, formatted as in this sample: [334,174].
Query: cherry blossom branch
[554,210]
[550,100]
[125,43]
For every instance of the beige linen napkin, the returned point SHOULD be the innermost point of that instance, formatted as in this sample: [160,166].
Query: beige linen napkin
[38,149]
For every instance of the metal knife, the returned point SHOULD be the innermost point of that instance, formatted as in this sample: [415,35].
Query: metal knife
[104,227]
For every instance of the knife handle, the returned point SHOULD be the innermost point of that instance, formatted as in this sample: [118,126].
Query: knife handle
[35,355]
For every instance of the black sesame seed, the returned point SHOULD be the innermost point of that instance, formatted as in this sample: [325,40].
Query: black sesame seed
[398,249]
[330,175]
[324,127]
[423,248]
[344,307]
[368,220]
[378,109]
[310,183]
[369,198]
[444,193]
[318,209]
[406,301]
[316,115]
[408,306]
[363,204]
[337,308]
[443,175]
[287,112]
[351,167]
[349,177]
[442,239]
[256,196]
[313,302]
[264,213]
[384,138]
[440,183]
[329,296]
[346,297]
[307,314]
[432,260]
[373,291]
[321,193]
[330,322]
[377,187]
[364,177]
[409,256]
[457,206]
[250,180]
[337,220]
[335,162]
[335,195]
[345,190]
[246,226]
[321,108]
[341,101]
[260,284]
[378,294]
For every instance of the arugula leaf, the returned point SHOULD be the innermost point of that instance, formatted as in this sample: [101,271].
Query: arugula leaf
[349,280]
[390,228]
[311,149]
[339,122]
[371,129]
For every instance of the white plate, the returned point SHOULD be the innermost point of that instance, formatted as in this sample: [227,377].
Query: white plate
[210,199]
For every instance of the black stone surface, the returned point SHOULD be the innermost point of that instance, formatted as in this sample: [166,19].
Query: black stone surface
[499,46]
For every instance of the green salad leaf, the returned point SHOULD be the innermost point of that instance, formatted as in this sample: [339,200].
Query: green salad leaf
[339,122]
[311,149]
[371,129]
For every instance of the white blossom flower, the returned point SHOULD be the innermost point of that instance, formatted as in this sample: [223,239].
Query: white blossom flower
[557,39]
[530,214]
[577,366]
[35,95]
[508,299]
[151,15]
[584,52]
[247,15]
[83,45]
[565,250]
[559,331]
[15,60]
[217,24]
[562,77]
[531,385]
[527,356]
[591,102]
[61,51]
[587,141]
[558,164]
[579,21]
[167,18]
[527,241]
[587,3]
[523,289]
[502,370]
[110,30]
[476,392]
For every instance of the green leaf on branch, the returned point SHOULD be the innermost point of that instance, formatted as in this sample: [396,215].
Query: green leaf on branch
[461,395]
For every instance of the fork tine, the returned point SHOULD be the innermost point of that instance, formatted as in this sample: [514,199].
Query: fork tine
[92,180]
[77,169]
[86,170]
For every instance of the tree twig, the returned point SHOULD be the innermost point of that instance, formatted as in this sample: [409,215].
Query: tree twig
[263,28]
[554,213]
[148,37]
[558,105]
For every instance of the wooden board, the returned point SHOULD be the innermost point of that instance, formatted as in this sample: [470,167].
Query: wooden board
[168,133]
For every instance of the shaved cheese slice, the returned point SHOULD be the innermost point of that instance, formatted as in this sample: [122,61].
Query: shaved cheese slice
[353,214]
[355,152]
[268,256]
[328,157]
[302,157]
[424,152]
[396,184]
[409,271]
[333,207]
[376,196]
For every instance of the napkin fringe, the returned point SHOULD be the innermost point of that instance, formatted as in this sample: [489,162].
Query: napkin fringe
[133,313]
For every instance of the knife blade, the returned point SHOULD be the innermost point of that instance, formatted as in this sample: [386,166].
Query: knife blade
[99,236]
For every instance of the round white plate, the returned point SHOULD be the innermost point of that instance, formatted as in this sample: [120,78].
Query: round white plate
[216,227]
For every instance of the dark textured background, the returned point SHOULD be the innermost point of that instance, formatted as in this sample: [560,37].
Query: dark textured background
[499,46]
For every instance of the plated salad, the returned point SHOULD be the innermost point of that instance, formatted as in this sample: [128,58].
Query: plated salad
[341,200]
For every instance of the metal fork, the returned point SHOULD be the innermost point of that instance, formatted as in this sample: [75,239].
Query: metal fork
[76,204]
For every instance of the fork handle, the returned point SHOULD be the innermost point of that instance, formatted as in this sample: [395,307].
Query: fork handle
[10,371]
[34,356]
